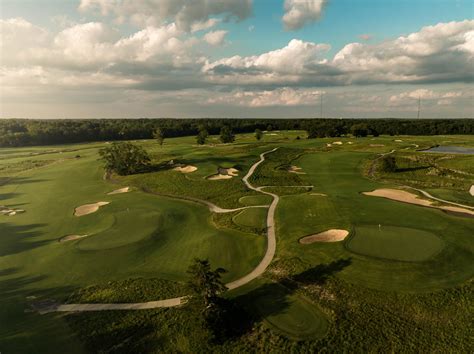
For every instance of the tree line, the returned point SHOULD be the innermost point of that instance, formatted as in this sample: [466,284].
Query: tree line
[28,132]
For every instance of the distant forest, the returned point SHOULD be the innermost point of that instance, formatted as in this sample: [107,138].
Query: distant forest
[23,132]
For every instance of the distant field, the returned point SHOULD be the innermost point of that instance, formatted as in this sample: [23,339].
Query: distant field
[408,278]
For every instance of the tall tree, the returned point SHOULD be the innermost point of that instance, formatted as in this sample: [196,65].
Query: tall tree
[125,158]
[258,134]
[202,135]
[159,135]
[204,284]
[226,135]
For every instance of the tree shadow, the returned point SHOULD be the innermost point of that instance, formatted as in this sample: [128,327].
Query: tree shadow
[274,298]
[19,238]
[19,180]
[409,169]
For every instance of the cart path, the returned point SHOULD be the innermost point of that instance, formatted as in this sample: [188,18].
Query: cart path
[255,273]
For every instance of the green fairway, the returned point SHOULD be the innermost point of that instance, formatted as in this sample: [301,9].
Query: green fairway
[397,243]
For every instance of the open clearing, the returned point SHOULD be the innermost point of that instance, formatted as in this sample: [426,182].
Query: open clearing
[333,235]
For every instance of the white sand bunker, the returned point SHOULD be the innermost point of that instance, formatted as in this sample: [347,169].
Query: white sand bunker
[398,141]
[224,173]
[407,197]
[119,191]
[319,194]
[328,145]
[4,210]
[471,191]
[332,235]
[88,208]
[337,143]
[185,168]
[349,142]
[296,169]
[71,238]
[377,145]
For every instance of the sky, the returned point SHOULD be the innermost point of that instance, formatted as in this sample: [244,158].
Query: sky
[236,58]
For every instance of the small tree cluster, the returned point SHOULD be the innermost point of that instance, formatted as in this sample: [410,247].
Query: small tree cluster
[226,135]
[159,135]
[201,138]
[125,158]
[258,134]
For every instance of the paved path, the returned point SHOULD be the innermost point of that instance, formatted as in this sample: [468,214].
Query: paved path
[426,194]
[256,272]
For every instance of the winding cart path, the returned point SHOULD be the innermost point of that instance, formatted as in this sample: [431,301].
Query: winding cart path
[255,273]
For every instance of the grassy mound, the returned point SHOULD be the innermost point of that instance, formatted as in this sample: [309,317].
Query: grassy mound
[395,243]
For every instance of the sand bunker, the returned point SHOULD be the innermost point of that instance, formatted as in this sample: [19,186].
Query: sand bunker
[224,173]
[398,141]
[471,191]
[337,143]
[185,168]
[119,191]
[407,197]
[4,210]
[328,145]
[319,194]
[229,171]
[349,142]
[88,208]
[332,235]
[296,169]
[218,177]
[71,238]
[377,145]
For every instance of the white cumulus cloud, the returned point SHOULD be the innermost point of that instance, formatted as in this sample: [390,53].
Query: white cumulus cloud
[298,13]
[215,37]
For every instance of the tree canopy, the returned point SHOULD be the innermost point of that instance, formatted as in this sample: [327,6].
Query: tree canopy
[226,135]
[125,158]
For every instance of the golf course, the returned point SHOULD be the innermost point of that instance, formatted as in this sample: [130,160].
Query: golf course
[322,246]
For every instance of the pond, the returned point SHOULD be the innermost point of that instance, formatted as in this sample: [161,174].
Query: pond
[451,150]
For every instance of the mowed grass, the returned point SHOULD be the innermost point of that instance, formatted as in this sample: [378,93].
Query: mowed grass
[140,235]
[338,175]
[396,243]
[136,235]
[252,217]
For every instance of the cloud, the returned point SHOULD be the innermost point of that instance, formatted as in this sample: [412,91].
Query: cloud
[292,59]
[215,38]
[285,96]
[298,13]
[185,13]
[436,54]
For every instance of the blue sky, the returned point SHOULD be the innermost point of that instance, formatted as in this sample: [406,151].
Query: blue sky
[145,59]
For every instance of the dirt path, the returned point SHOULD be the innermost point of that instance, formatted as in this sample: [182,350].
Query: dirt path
[256,272]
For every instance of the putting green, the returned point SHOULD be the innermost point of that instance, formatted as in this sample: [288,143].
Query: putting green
[252,217]
[395,243]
